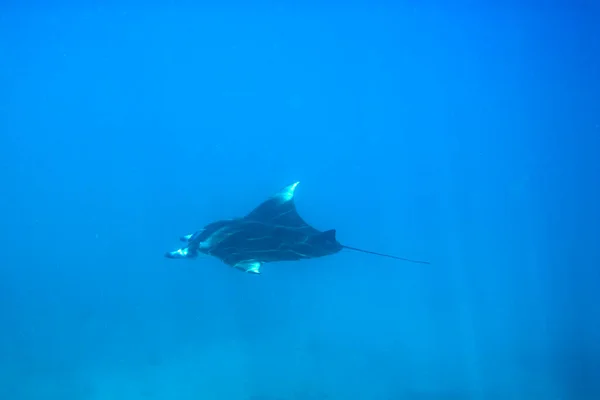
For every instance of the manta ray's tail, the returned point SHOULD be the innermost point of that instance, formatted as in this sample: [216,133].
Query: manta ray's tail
[385,255]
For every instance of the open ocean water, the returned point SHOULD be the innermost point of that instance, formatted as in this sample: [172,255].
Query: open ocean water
[468,136]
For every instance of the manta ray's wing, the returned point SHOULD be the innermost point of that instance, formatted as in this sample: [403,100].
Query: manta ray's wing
[280,210]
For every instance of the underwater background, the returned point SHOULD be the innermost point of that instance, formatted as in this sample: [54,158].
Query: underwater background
[468,136]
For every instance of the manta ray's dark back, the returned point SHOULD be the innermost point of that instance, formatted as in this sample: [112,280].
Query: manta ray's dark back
[280,210]
[272,232]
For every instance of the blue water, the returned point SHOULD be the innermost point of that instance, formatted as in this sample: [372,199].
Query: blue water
[469,137]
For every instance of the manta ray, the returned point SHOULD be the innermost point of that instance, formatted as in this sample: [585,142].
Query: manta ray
[272,232]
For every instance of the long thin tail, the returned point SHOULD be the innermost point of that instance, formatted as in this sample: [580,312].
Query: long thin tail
[386,255]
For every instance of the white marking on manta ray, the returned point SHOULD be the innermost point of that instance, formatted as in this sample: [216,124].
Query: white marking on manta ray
[182,252]
[288,193]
